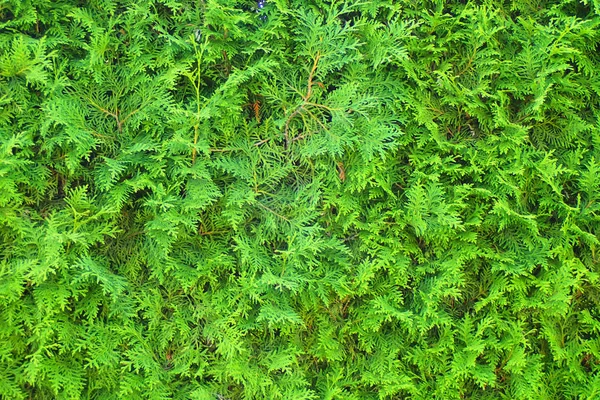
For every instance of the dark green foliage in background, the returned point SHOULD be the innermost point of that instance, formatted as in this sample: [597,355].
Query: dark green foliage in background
[219,199]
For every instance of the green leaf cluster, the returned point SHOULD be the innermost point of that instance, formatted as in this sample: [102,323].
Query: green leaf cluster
[299,199]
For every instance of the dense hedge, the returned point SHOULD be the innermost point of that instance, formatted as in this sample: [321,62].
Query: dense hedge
[299,199]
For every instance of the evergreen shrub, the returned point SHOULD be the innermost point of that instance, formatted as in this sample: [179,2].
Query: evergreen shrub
[299,199]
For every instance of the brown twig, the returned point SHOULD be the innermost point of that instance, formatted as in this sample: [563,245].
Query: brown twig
[305,99]
[115,114]
[287,123]
[104,110]
[311,76]
[261,142]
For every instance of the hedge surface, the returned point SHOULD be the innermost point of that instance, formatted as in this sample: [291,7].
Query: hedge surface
[299,199]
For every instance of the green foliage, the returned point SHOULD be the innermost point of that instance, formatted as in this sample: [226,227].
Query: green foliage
[292,199]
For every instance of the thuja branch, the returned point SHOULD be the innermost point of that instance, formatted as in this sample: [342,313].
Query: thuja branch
[116,115]
[305,98]
[196,81]
[311,76]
